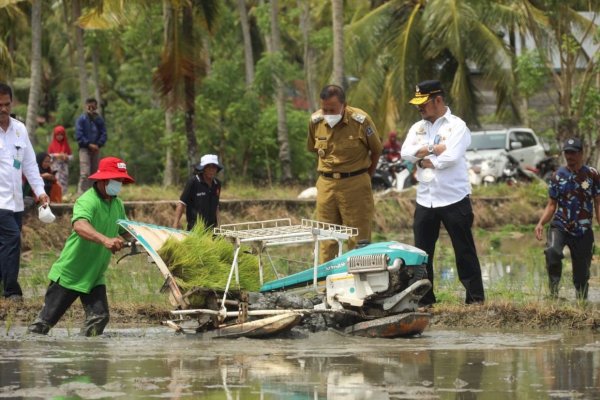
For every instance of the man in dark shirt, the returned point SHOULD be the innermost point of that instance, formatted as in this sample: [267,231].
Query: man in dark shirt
[574,195]
[200,198]
[90,132]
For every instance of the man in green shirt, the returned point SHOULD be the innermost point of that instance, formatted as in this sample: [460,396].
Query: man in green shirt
[80,268]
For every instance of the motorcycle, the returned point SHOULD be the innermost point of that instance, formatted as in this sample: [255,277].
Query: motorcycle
[546,168]
[514,173]
[503,168]
[392,174]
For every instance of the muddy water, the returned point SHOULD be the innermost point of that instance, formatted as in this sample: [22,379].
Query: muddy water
[441,364]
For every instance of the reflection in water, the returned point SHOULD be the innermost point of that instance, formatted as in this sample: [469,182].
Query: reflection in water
[441,364]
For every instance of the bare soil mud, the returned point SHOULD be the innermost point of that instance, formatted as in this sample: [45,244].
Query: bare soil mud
[495,315]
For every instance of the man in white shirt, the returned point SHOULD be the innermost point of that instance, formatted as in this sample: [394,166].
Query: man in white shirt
[17,158]
[437,145]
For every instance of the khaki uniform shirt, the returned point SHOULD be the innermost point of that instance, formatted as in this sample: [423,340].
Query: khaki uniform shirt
[347,146]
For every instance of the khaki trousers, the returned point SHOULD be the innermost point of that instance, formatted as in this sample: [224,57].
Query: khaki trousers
[347,202]
[88,165]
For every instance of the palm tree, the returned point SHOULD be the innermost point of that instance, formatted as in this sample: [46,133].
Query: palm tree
[180,66]
[169,176]
[309,56]
[564,35]
[285,157]
[12,20]
[337,17]
[179,69]
[35,87]
[248,56]
[403,42]
[80,50]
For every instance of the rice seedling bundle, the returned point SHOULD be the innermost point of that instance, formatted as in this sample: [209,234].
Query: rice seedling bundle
[201,260]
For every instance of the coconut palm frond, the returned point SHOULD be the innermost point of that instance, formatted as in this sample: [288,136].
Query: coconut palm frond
[390,32]
[411,62]
[6,63]
[9,3]
[372,92]
[106,14]
[463,93]
[175,65]
[208,11]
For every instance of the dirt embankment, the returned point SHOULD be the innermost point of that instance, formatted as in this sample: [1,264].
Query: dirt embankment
[393,213]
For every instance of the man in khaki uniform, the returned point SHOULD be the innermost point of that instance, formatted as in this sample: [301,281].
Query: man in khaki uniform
[348,148]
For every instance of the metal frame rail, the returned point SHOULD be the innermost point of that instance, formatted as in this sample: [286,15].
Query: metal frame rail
[277,232]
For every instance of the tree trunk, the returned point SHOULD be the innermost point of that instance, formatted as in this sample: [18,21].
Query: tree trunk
[36,69]
[78,33]
[248,56]
[519,99]
[206,54]
[169,176]
[189,82]
[309,57]
[337,15]
[67,20]
[282,130]
[96,77]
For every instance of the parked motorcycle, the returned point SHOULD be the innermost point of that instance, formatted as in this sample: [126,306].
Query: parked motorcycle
[503,168]
[547,167]
[392,174]
[514,173]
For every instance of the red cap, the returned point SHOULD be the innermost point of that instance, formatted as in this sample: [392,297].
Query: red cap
[58,129]
[112,168]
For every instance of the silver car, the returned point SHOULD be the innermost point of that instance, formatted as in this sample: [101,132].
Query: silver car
[487,154]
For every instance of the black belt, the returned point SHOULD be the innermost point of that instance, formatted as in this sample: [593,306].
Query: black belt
[342,175]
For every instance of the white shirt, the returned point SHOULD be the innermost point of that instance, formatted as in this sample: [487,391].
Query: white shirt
[450,182]
[17,158]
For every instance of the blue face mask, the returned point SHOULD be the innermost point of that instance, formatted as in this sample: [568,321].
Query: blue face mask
[113,187]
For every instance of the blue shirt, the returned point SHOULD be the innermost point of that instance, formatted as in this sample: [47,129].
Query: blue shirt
[574,193]
[90,131]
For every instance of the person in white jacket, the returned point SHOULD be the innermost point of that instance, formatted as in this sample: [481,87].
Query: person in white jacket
[437,145]
[17,158]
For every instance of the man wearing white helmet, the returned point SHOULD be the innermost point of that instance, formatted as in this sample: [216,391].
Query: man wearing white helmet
[200,198]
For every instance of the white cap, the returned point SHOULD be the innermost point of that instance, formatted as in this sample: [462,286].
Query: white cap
[45,214]
[207,160]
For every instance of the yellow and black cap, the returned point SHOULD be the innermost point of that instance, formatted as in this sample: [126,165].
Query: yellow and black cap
[425,90]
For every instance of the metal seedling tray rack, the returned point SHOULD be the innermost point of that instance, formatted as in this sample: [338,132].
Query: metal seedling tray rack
[277,232]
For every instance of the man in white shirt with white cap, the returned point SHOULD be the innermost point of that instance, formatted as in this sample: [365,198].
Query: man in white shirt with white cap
[17,158]
[437,144]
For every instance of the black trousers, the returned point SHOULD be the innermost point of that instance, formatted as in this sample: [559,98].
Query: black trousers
[581,248]
[458,220]
[10,251]
[58,300]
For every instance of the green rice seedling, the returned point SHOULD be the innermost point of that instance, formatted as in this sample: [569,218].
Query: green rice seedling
[201,260]
[8,323]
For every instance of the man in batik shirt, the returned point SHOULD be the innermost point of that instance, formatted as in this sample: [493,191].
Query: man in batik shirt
[574,194]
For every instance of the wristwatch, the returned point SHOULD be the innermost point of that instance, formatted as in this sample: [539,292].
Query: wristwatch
[430,149]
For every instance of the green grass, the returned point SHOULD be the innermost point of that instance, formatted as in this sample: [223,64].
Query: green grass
[230,190]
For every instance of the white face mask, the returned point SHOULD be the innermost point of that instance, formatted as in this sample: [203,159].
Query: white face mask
[332,120]
[113,187]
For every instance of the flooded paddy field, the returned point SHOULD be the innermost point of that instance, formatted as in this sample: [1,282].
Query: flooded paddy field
[484,354]
[133,363]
